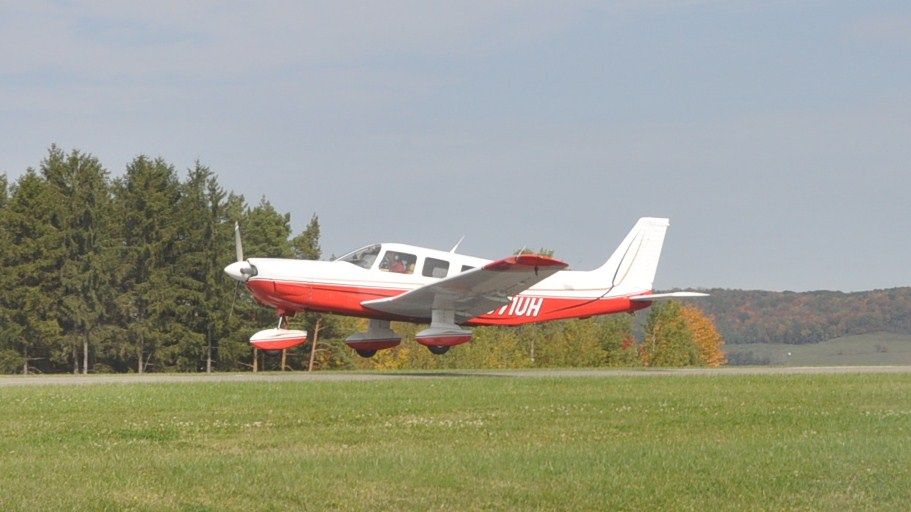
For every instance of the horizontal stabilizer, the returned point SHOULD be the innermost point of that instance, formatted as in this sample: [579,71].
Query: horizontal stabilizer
[667,296]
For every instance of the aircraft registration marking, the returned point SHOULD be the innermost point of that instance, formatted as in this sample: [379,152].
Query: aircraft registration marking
[521,306]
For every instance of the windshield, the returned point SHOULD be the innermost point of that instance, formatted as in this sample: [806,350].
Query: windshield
[363,257]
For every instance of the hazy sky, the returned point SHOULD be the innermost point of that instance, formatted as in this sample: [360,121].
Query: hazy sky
[775,135]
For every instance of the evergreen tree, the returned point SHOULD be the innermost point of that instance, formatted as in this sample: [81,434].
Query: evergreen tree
[201,252]
[82,215]
[305,246]
[4,190]
[146,203]
[267,232]
[31,257]
[10,361]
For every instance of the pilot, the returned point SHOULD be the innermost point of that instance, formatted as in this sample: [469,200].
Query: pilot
[397,265]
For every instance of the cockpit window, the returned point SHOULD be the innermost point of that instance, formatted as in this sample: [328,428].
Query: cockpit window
[364,257]
[399,262]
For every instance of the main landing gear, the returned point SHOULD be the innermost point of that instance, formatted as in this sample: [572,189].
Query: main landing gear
[379,336]
[443,333]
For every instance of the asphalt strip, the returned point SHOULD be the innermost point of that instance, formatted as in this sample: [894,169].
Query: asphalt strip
[152,378]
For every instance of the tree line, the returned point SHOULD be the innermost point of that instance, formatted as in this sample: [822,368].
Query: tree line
[125,274]
[755,316]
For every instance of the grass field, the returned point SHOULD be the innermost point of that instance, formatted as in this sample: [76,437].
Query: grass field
[767,442]
[874,348]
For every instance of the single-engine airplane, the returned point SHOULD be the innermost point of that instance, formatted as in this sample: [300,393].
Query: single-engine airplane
[390,281]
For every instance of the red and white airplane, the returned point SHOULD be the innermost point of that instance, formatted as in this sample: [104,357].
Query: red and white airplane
[390,281]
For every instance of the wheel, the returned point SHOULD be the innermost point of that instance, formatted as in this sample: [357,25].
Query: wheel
[438,349]
[365,352]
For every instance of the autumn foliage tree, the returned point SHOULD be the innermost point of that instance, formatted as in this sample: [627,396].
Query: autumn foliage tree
[706,337]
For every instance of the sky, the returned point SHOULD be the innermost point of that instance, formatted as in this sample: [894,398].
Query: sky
[775,135]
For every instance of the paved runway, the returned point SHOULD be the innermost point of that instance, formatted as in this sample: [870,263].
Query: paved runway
[152,378]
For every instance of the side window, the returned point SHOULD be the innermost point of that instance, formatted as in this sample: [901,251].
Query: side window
[398,262]
[435,268]
[466,267]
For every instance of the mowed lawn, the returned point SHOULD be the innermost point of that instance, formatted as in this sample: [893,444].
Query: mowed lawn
[815,442]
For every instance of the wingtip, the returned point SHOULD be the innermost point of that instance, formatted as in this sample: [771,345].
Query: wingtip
[525,260]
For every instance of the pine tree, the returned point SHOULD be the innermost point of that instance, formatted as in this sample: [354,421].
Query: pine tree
[267,232]
[146,203]
[10,360]
[32,251]
[83,216]
[202,253]
[306,245]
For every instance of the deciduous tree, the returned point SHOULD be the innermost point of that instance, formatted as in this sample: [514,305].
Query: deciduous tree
[706,337]
[668,340]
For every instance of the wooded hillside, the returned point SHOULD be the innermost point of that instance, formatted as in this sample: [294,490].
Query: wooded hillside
[754,316]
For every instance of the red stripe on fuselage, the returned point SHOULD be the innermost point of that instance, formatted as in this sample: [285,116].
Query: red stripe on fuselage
[347,299]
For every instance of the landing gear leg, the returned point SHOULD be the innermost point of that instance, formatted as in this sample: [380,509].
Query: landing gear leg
[283,318]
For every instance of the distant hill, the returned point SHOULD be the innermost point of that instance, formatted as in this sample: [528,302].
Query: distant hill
[792,318]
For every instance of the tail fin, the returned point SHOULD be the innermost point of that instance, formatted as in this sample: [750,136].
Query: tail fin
[634,263]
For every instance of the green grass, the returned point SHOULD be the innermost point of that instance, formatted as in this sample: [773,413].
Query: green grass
[826,442]
[865,349]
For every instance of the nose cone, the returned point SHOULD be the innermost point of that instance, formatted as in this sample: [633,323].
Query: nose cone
[239,270]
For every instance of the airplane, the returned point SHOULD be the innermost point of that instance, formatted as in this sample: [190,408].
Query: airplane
[450,291]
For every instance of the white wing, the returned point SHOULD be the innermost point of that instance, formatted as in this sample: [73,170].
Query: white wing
[473,292]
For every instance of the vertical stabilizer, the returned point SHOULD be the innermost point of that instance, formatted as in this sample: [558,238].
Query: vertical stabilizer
[633,265]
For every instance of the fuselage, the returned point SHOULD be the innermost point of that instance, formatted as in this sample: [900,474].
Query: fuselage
[387,270]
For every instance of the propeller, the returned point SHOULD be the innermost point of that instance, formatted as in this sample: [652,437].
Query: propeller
[240,270]
[238,245]
[233,302]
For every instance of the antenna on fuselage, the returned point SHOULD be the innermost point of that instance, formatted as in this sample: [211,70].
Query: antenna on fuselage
[456,246]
